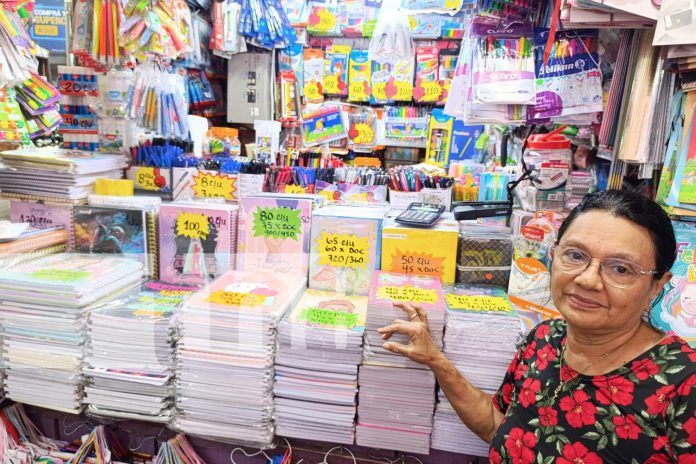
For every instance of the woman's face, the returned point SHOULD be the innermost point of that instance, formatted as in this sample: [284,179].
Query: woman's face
[585,300]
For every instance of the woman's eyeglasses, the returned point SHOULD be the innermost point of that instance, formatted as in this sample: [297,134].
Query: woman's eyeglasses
[616,272]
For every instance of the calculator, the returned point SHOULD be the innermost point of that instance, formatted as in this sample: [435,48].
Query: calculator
[420,215]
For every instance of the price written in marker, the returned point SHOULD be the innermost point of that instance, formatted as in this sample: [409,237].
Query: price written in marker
[364,134]
[146,179]
[192,225]
[404,91]
[312,91]
[358,91]
[280,222]
[331,84]
[343,250]
[215,185]
[324,317]
[67,276]
[407,262]
[478,303]
[408,293]
[236,298]
[429,91]
[295,189]
[379,91]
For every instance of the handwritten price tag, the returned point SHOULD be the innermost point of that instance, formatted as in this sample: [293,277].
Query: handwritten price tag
[327,21]
[279,222]
[331,84]
[478,303]
[295,189]
[408,293]
[358,91]
[67,276]
[192,225]
[379,91]
[312,92]
[343,250]
[404,91]
[236,298]
[364,134]
[417,263]
[430,92]
[146,179]
[215,185]
[328,318]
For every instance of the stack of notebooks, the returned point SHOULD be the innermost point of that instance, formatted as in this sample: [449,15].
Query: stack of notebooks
[481,337]
[225,356]
[56,174]
[44,308]
[397,396]
[316,382]
[130,361]
[43,216]
[198,241]
[32,243]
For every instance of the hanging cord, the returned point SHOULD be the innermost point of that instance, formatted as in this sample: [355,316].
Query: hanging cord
[339,448]
[249,455]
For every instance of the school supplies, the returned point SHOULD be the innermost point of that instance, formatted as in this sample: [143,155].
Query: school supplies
[335,80]
[405,124]
[322,125]
[360,73]
[265,24]
[313,75]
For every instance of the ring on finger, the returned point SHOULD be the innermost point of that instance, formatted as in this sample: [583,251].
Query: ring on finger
[413,316]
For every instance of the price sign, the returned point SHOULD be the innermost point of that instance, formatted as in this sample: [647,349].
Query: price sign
[408,293]
[404,91]
[331,84]
[429,92]
[478,303]
[364,135]
[147,179]
[215,185]
[294,189]
[79,122]
[236,298]
[358,91]
[343,250]
[192,225]
[324,317]
[281,222]
[322,21]
[379,91]
[312,91]
[409,262]
[68,276]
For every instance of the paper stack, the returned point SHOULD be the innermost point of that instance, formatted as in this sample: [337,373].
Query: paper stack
[130,361]
[56,174]
[316,383]
[44,311]
[345,248]
[397,396]
[481,338]
[226,353]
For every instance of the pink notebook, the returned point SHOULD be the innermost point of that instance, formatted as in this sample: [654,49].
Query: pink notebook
[42,216]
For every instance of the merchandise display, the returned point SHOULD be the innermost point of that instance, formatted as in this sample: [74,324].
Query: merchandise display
[208,208]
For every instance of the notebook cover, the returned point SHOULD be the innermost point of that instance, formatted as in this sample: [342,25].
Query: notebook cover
[274,235]
[329,310]
[344,252]
[41,215]
[418,251]
[389,288]
[197,243]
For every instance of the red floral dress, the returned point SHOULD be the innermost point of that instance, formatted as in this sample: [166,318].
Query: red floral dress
[643,412]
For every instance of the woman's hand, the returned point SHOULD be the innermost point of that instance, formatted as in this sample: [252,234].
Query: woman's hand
[421,347]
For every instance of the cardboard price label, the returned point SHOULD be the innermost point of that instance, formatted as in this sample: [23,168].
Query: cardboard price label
[379,91]
[408,293]
[359,91]
[404,91]
[280,222]
[294,189]
[192,225]
[478,303]
[148,179]
[67,276]
[408,262]
[236,298]
[343,250]
[214,185]
[331,84]
[328,317]
[429,92]
[312,91]
[364,135]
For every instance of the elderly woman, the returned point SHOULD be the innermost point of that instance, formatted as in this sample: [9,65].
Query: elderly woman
[601,385]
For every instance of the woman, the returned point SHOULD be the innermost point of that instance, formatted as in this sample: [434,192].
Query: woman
[601,386]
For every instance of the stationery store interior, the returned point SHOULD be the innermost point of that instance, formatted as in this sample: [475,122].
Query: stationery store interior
[347,231]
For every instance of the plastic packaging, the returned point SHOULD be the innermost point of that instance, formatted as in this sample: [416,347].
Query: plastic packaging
[485,254]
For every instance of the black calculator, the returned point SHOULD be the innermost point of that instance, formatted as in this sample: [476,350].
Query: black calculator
[420,215]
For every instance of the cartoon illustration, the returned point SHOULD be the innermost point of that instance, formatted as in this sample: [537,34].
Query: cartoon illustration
[680,301]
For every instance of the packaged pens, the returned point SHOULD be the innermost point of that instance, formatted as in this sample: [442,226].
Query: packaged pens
[336,70]
[427,88]
[360,75]
[503,63]
[361,129]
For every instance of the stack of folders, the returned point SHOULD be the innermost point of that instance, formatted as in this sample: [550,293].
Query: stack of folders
[56,174]
[44,311]
[225,356]
[316,383]
[481,336]
[397,396]
[130,360]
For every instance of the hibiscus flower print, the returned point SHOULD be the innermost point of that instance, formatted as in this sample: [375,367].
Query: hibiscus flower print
[529,351]
[685,388]
[520,446]
[577,453]
[494,457]
[548,417]
[615,389]
[542,331]
[690,428]
[644,368]
[578,409]
[529,391]
[626,427]
[544,356]
[658,402]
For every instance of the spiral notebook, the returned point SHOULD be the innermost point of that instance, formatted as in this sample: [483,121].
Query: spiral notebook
[198,242]
[131,232]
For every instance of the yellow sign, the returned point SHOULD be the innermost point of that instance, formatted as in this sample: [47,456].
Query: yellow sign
[452,4]
[294,189]
[147,180]
[431,92]
[417,263]
[215,185]
[331,84]
[344,250]
[312,92]
[236,298]
[379,91]
[192,225]
[408,293]
[365,134]
[358,91]
[327,21]
[404,91]
[478,303]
